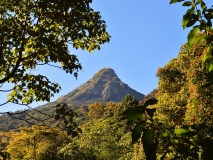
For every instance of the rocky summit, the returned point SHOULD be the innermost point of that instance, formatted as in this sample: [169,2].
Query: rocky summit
[104,86]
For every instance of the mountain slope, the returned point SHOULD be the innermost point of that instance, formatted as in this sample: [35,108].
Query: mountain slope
[104,86]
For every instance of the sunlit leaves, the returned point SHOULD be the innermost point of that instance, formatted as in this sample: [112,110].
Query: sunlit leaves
[198,2]
[96,110]
[184,105]
[207,61]
[185,100]
[36,142]
[181,131]
[193,36]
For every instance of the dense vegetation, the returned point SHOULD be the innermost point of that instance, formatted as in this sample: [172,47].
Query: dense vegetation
[177,124]
[104,136]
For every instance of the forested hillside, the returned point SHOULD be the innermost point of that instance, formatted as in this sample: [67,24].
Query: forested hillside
[104,136]
[103,87]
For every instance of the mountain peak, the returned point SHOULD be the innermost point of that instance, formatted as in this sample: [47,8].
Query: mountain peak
[108,71]
[106,74]
[104,86]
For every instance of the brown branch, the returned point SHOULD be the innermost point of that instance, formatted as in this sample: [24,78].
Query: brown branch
[7,90]
[16,66]
[1,47]
[39,111]
[26,120]
[19,57]
[4,103]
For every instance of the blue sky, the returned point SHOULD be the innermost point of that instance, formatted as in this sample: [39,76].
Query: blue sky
[145,36]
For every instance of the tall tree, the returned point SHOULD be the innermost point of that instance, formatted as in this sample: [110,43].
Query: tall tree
[36,142]
[38,32]
[96,110]
[103,138]
[184,93]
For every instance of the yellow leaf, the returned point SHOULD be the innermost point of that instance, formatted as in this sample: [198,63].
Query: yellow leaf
[24,100]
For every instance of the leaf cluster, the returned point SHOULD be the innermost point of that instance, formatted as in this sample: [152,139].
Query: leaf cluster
[200,17]
[63,113]
[140,120]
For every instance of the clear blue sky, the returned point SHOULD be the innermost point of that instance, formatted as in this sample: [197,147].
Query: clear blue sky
[145,36]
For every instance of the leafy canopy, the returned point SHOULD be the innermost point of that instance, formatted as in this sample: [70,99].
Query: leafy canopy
[200,17]
[38,32]
[36,142]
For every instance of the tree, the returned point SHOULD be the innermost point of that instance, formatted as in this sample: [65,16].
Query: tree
[185,89]
[110,109]
[96,110]
[103,138]
[36,142]
[127,102]
[182,126]
[183,95]
[38,32]
[3,144]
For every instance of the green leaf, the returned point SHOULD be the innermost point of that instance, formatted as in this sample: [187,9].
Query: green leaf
[133,114]
[148,144]
[181,131]
[203,5]
[187,17]
[19,96]
[166,134]
[13,93]
[175,1]
[209,23]
[198,2]
[207,60]
[187,3]
[193,36]
[150,112]
[24,100]
[193,20]
[136,132]
[150,102]
[209,67]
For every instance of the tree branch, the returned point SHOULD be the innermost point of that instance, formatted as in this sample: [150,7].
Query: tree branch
[19,57]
